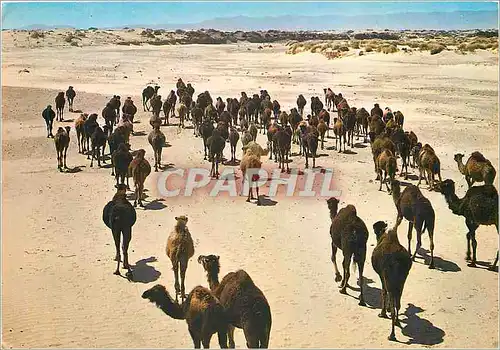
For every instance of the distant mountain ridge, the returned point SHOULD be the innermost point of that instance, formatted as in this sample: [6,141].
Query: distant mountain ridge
[397,21]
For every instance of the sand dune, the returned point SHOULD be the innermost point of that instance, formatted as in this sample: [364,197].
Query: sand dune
[58,288]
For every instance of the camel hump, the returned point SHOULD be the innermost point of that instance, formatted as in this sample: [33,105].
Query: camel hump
[478,157]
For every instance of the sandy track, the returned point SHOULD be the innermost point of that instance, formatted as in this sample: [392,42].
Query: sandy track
[58,288]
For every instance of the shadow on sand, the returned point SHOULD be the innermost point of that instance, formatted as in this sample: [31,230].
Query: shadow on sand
[439,263]
[419,330]
[155,205]
[143,273]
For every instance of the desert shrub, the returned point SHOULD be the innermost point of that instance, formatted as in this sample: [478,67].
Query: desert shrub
[343,48]
[368,49]
[361,53]
[355,44]
[435,49]
[157,32]
[81,34]
[316,47]
[37,35]
[388,48]
[93,28]
[424,46]
[69,38]
[74,43]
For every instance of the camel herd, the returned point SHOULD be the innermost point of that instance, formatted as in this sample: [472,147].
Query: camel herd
[236,301]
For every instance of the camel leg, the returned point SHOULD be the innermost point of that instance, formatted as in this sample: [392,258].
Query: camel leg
[141,193]
[127,236]
[419,241]
[222,335]
[472,229]
[206,337]
[392,336]
[361,295]
[175,267]
[116,236]
[230,336]
[92,157]
[136,192]
[183,268]
[338,278]
[195,337]
[431,238]
[258,198]
[346,264]
[379,172]
[383,295]
[474,247]
[65,151]
[494,265]
[410,229]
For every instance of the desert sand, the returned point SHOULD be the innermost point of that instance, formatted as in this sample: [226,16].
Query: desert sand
[58,287]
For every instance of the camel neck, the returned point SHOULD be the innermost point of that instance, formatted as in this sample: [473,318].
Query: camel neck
[453,203]
[213,280]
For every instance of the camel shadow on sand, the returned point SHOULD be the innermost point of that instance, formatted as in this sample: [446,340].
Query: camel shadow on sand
[155,205]
[75,169]
[440,264]
[372,295]
[419,330]
[265,201]
[234,162]
[139,133]
[359,145]
[144,273]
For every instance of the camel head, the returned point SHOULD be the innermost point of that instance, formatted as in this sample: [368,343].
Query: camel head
[333,204]
[121,188]
[155,293]
[141,153]
[379,228]
[156,89]
[325,90]
[68,129]
[210,263]
[181,220]
[447,187]
[458,157]
[376,105]
[60,130]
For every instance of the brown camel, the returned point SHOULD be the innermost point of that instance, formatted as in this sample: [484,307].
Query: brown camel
[349,234]
[61,141]
[387,166]
[80,132]
[349,120]
[182,112]
[157,141]
[362,116]
[245,305]
[180,248]
[322,128]
[392,263]
[428,165]
[234,137]
[414,207]
[60,101]
[340,133]
[477,169]
[139,169]
[120,216]
[203,313]
[251,161]
[479,206]
[379,144]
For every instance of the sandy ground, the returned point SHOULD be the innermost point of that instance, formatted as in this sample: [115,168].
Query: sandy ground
[58,288]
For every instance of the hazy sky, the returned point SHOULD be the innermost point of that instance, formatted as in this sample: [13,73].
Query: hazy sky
[115,14]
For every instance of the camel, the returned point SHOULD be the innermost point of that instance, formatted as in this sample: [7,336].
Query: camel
[276,109]
[479,206]
[399,118]
[245,305]
[155,120]
[220,106]
[216,144]
[362,116]
[48,115]
[379,144]
[322,128]
[309,141]
[89,126]
[301,103]
[147,94]
[182,112]
[283,142]
[477,169]
[180,248]
[265,120]
[121,159]
[197,114]
[340,133]
[386,165]
[271,144]
[169,106]
[206,130]
[120,216]
[325,116]
[70,95]
[376,111]
[349,234]
[428,165]
[157,141]
[129,108]
[80,132]
[234,137]
[98,140]
[251,161]
[61,141]
[349,121]
[109,115]
[60,101]
[295,118]
[186,100]
[203,313]
[156,105]
[253,131]
[115,103]
[392,263]
[139,169]
[329,98]
[376,125]
[127,124]
[233,107]
[223,129]
[414,207]
[415,151]
[246,138]
[114,140]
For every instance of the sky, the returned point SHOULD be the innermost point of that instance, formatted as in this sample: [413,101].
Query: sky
[16,15]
